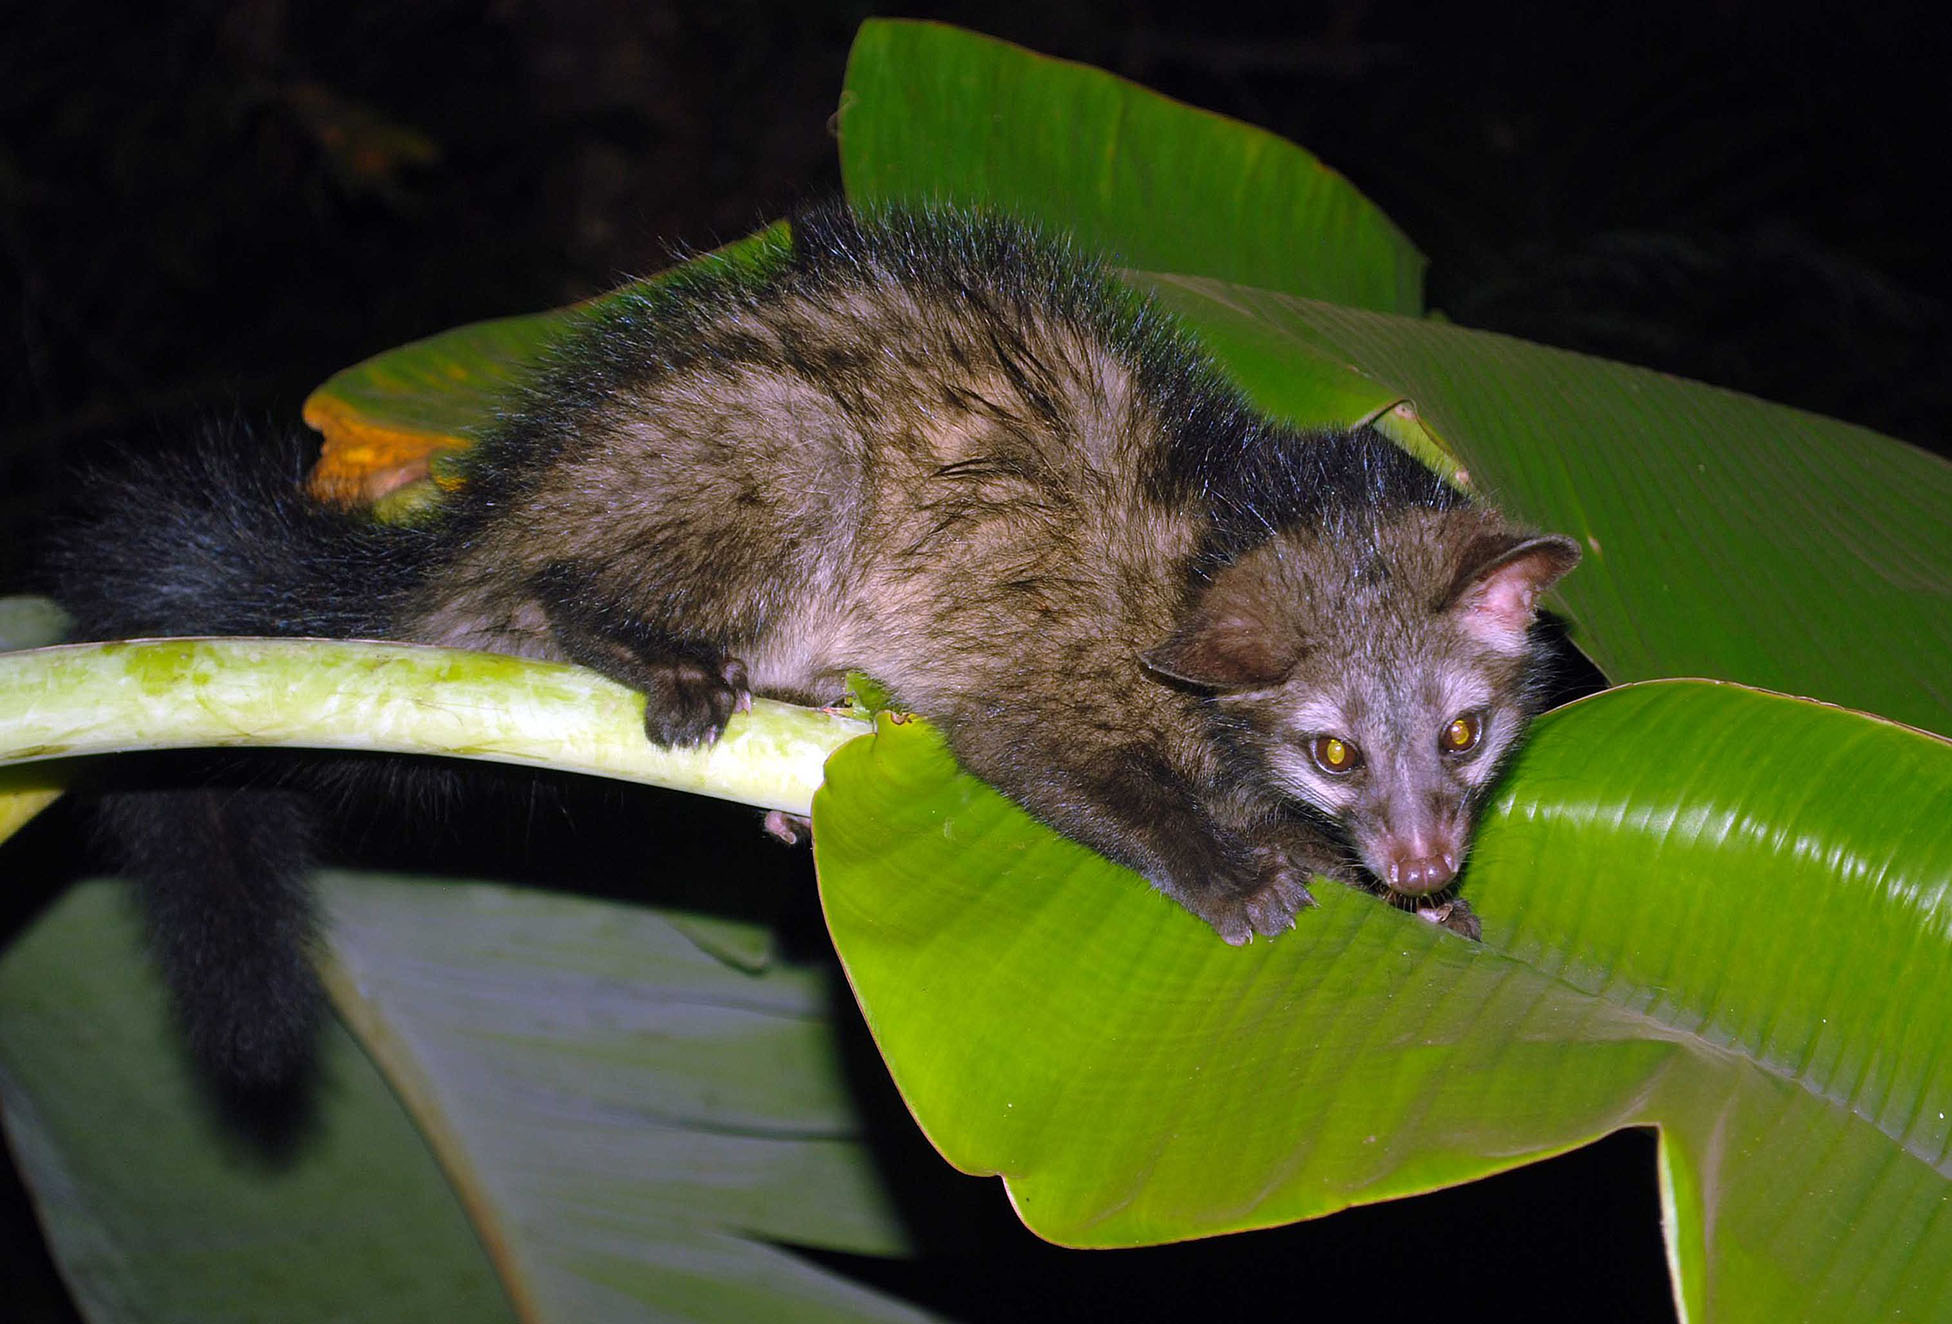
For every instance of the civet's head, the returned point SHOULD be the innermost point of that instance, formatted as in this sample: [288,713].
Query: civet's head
[1380,670]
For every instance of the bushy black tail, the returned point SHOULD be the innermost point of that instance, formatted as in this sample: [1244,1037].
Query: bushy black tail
[221,539]
[224,875]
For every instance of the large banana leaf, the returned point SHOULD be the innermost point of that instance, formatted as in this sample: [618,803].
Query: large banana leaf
[155,1213]
[1725,537]
[623,1125]
[930,113]
[1717,911]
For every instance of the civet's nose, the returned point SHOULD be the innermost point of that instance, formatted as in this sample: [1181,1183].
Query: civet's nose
[1414,869]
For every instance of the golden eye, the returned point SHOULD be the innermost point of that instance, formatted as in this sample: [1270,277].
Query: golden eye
[1463,733]
[1334,754]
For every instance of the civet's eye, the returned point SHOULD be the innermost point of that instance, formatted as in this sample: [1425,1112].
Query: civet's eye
[1335,755]
[1463,733]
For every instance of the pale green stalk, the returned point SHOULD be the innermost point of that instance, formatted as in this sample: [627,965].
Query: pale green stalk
[159,694]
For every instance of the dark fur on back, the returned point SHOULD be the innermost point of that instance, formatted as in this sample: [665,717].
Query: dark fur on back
[713,313]
[936,447]
[1285,479]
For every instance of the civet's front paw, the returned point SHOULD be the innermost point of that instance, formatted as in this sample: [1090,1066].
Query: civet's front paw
[687,701]
[1265,900]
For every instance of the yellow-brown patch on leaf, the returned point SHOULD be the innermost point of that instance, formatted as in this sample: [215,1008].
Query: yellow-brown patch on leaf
[363,460]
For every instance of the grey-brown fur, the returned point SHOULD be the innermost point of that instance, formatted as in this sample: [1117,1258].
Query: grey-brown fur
[931,447]
[961,459]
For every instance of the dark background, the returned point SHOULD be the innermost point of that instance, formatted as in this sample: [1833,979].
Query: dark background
[208,208]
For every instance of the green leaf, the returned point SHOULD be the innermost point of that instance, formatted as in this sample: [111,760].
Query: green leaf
[155,1212]
[633,1119]
[1770,880]
[1275,357]
[26,790]
[445,386]
[628,1125]
[933,113]
[1717,911]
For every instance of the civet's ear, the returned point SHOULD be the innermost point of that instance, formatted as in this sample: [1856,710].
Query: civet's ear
[1496,594]
[1236,637]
